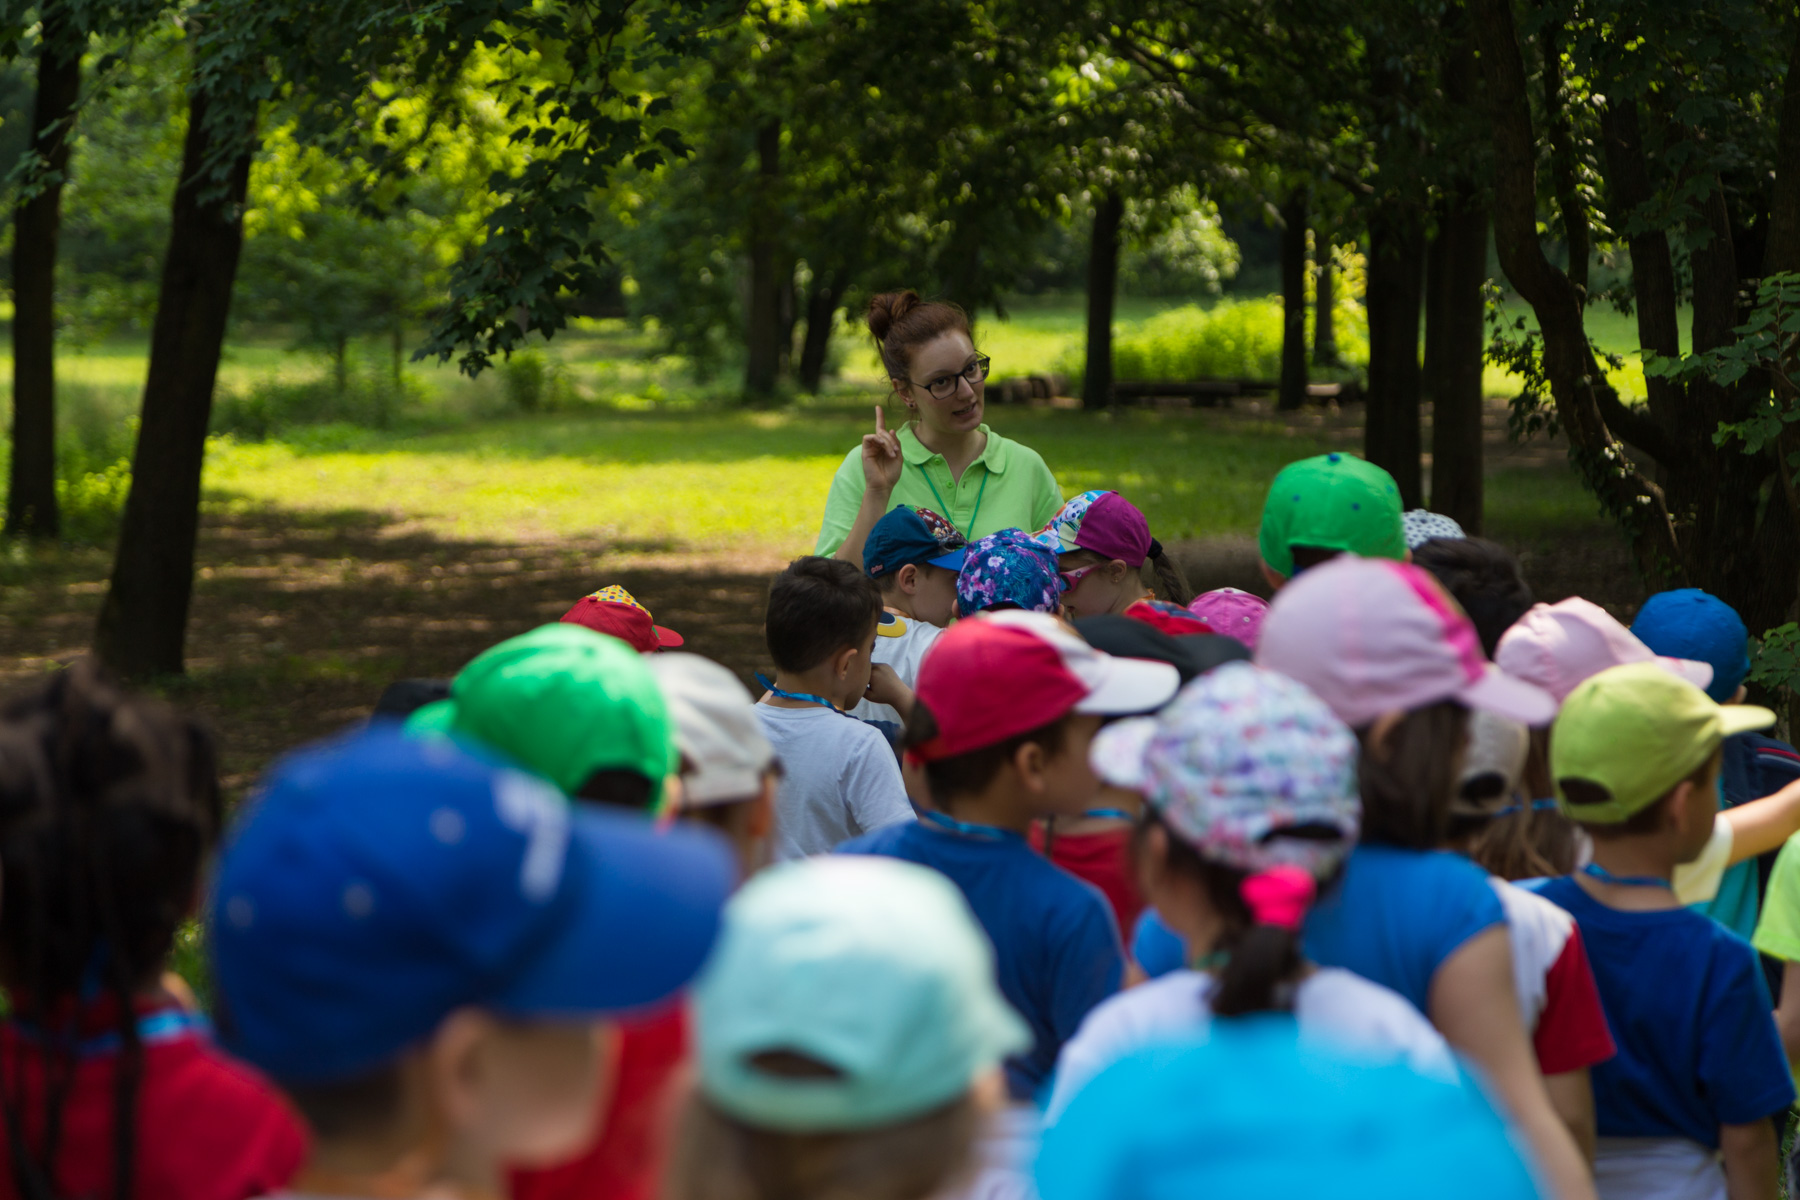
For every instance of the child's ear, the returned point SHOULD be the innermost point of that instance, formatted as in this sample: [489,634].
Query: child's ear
[843,660]
[1376,745]
[1029,761]
[908,578]
[1116,570]
[1691,806]
[1272,577]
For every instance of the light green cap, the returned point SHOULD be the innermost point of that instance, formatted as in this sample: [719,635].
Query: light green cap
[564,702]
[1637,731]
[1334,502]
[869,965]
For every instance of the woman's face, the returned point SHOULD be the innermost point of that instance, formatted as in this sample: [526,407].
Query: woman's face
[945,357]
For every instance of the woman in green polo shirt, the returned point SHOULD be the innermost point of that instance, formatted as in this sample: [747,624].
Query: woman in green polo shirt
[943,458]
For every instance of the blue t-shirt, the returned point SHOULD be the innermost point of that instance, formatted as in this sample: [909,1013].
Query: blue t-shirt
[1685,998]
[1155,947]
[1396,915]
[1056,947]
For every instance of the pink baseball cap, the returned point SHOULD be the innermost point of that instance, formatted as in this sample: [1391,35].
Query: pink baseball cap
[1372,636]
[998,674]
[1558,646]
[1231,612]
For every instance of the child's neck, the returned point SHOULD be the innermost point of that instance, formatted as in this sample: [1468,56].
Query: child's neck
[999,806]
[896,602]
[820,681]
[1133,591]
[1652,857]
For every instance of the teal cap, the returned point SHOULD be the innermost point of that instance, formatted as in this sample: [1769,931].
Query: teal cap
[874,968]
[562,701]
[1334,502]
[1216,1118]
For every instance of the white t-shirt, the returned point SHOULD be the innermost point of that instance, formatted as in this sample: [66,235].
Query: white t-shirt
[1538,930]
[901,643]
[1331,1006]
[1657,1168]
[1697,882]
[839,779]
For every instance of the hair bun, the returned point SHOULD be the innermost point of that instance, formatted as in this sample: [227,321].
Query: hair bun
[889,307]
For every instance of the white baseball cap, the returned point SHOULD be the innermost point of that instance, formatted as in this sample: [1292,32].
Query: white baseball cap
[724,751]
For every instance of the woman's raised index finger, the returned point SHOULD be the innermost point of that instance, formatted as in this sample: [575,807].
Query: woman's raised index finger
[881,421]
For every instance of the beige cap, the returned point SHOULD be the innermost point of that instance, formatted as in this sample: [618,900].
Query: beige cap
[721,740]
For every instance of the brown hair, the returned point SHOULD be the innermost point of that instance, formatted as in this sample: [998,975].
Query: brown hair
[718,1157]
[1171,581]
[1646,820]
[961,774]
[901,322]
[1407,789]
[1527,844]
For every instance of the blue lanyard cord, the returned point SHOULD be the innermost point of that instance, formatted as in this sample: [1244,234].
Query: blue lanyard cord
[1109,814]
[944,509]
[986,833]
[154,1029]
[1594,870]
[775,691]
[1534,806]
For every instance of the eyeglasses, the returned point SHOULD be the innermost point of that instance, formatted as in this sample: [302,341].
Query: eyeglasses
[945,387]
[1072,578]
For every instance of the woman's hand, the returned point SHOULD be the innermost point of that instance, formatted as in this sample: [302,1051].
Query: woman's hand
[881,461]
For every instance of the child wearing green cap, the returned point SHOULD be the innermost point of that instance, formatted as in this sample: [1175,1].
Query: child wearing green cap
[1683,1110]
[1321,507]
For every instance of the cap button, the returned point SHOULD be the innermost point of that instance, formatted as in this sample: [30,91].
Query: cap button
[1332,458]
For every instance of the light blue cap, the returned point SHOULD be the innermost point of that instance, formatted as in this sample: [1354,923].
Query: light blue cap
[1253,1112]
[871,966]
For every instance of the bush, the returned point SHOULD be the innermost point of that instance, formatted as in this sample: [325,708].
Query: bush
[372,399]
[533,383]
[1234,339]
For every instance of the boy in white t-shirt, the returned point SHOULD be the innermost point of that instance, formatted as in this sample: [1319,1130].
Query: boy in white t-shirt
[913,555]
[840,777]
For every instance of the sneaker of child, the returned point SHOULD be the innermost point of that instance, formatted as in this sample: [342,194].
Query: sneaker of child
[1387,649]
[109,806]
[1251,808]
[421,945]
[1007,705]
[616,612]
[1321,507]
[850,1037]
[1684,1109]
[1102,541]
[840,778]
[1005,570]
[913,555]
[1484,577]
[579,708]
[728,775]
[1217,1118]
[1231,613]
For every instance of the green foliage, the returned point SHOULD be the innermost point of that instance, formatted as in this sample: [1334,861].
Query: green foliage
[534,382]
[272,405]
[1775,659]
[1239,338]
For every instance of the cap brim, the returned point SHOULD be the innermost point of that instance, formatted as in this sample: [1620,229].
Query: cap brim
[1131,685]
[642,920]
[668,637]
[952,561]
[1743,718]
[1117,754]
[1697,673]
[1501,694]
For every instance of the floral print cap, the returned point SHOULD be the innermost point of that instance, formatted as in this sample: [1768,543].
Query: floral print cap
[1008,569]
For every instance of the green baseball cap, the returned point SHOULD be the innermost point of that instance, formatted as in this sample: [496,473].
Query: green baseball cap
[1334,502]
[1637,731]
[872,967]
[563,701]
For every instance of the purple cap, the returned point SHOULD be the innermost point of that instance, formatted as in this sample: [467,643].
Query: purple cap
[1104,522]
[1231,612]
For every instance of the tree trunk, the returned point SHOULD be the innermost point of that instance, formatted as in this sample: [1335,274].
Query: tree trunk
[1324,351]
[399,348]
[821,315]
[31,490]
[1436,262]
[1456,461]
[1396,279]
[340,362]
[1102,289]
[143,622]
[1291,394]
[763,362]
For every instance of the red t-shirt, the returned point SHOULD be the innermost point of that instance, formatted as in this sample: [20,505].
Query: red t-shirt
[625,1161]
[1571,1032]
[208,1126]
[1102,858]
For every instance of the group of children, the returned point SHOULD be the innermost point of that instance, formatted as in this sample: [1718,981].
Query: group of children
[1020,877]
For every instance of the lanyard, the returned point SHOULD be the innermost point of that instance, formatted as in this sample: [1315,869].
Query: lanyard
[775,691]
[1111,814]
[945,509]
[1595,871]
[154,1029]
[986,833]
[1534,806]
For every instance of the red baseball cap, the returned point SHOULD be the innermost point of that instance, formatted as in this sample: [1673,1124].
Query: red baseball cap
[999,674]
[613,610]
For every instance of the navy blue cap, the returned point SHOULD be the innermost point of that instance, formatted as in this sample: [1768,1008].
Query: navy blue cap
[378,882]
[912,535]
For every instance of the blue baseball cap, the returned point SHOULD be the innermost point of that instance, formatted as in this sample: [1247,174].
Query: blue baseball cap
[1216,1118]
[1689,623]
[912,535]
[1008,569]
[379,882]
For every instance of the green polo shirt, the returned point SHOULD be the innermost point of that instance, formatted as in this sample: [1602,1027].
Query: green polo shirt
[1008,487]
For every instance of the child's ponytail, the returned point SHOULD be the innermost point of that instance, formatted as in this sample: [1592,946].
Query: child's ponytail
[1170,580]
[1265,962]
